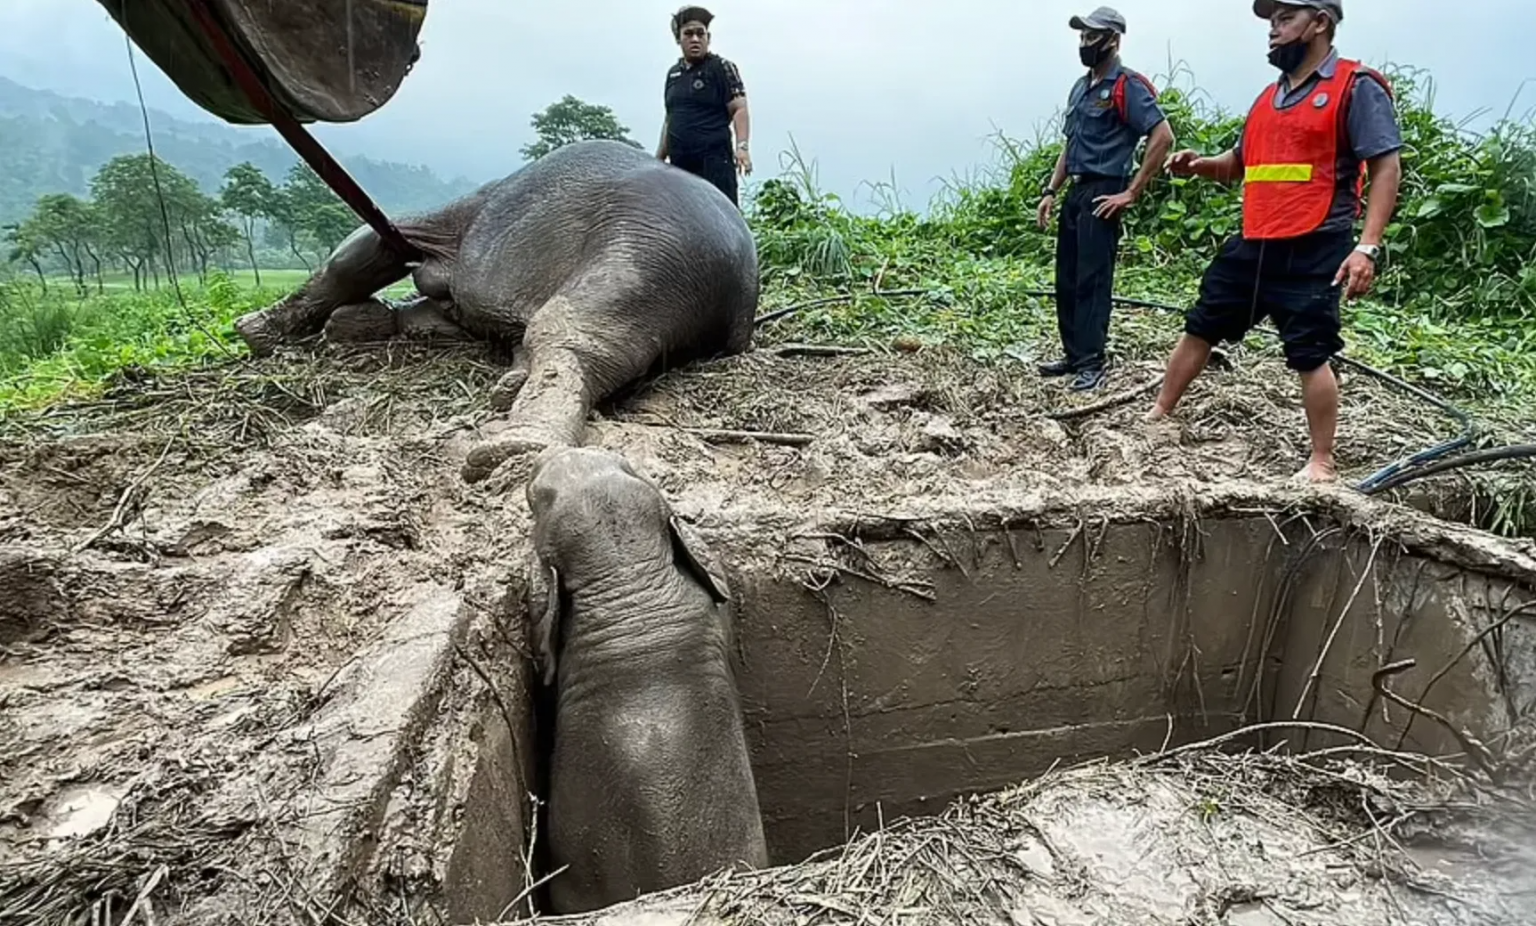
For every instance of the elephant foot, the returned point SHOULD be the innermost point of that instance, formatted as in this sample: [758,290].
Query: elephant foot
[508,454]
[363,323]
[427,318]
[256,330]
[297,316]
[504,393]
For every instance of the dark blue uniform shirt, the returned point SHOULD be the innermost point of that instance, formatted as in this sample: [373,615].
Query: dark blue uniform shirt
[1098,141]
[1372,128]
[697,96]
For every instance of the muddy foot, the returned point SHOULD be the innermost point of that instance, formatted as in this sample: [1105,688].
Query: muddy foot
[514,446]
[1317,472]
[257,332]
[362,323]
[504,393]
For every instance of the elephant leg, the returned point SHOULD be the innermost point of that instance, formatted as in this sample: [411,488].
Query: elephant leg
[362,323]
[571,365]
[359,267]
[426,318]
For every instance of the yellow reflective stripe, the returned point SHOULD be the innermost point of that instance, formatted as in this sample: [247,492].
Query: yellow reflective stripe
[1278,173]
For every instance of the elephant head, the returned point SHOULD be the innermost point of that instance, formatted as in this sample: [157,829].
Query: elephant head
[602,529]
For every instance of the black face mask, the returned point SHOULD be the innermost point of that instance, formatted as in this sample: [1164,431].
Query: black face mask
[1091,55]
[1288,57]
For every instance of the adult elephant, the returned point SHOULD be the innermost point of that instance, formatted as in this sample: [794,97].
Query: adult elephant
[650,786]
[596,262]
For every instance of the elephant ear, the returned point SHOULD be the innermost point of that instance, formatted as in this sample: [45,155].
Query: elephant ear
[544,608]
[692,553]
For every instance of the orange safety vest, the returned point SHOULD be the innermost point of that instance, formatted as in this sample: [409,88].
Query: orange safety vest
[1291,156]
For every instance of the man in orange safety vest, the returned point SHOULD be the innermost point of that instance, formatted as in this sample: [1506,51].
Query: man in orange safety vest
[1306,147]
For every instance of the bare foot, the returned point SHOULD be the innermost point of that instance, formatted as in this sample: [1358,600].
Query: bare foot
[1317,470]
[1156,414]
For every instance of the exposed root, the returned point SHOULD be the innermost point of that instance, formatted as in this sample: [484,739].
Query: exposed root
[1470,744]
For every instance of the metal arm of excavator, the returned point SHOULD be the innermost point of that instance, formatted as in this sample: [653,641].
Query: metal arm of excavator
[285,63]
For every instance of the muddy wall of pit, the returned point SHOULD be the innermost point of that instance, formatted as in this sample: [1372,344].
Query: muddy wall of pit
[949,663]
[1358,603]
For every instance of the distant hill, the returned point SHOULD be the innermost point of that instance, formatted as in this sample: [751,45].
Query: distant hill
[54,144]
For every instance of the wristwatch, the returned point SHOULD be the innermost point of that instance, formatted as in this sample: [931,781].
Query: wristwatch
[1047,191]
[1369,250]
[741,146]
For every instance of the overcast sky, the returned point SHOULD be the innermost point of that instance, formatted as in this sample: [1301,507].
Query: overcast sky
[865,88]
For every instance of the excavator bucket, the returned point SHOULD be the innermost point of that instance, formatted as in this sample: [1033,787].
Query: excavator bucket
[320,60]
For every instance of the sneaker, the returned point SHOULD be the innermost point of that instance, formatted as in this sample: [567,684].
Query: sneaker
[1088,380]
[1055,368]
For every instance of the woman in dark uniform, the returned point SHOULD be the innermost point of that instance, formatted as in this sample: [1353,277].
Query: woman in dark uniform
[705,101]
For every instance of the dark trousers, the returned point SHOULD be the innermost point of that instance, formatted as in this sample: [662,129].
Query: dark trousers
[1085,271]
[718,166]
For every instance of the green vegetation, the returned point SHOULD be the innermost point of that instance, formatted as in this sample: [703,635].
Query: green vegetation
[1454,304]
[1454,307]
[569,120]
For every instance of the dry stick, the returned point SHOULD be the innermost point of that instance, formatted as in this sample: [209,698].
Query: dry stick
[118,513]
[1106,404]
[725,436]
[1469,744]
[1257,728]
[143,898]
[1317,670]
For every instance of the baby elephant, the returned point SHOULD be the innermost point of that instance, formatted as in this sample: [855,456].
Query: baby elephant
[649,781]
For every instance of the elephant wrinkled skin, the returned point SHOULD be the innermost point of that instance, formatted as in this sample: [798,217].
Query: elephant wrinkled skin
[597,263]
[650,786]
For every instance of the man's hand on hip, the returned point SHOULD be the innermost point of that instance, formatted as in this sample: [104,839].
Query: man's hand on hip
[1109,207]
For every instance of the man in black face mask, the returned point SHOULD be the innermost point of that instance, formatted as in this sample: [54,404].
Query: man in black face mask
[1109,111]
[1307,145]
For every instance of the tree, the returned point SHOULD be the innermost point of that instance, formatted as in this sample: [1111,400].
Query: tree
[250,196]
[312,209]
[27,246]
[68,225]
[572,120]
[131,221]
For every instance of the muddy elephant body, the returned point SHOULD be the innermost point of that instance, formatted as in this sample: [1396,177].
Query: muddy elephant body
[597,263]
[650,786]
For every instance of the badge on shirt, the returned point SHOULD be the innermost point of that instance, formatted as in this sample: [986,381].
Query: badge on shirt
[698,84]
[1321,100]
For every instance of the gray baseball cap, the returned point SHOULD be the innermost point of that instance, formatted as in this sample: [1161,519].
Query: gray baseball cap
[1266,8]
[1102,19]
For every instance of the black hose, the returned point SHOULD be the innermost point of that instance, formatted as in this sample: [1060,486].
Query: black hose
[1491,455]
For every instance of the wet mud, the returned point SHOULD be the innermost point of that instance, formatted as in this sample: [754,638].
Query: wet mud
[263,654]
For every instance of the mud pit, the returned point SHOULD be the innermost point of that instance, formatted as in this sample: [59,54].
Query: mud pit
[268,652]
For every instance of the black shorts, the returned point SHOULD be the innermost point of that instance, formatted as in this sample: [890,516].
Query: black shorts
[1290,281]
[717,166]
